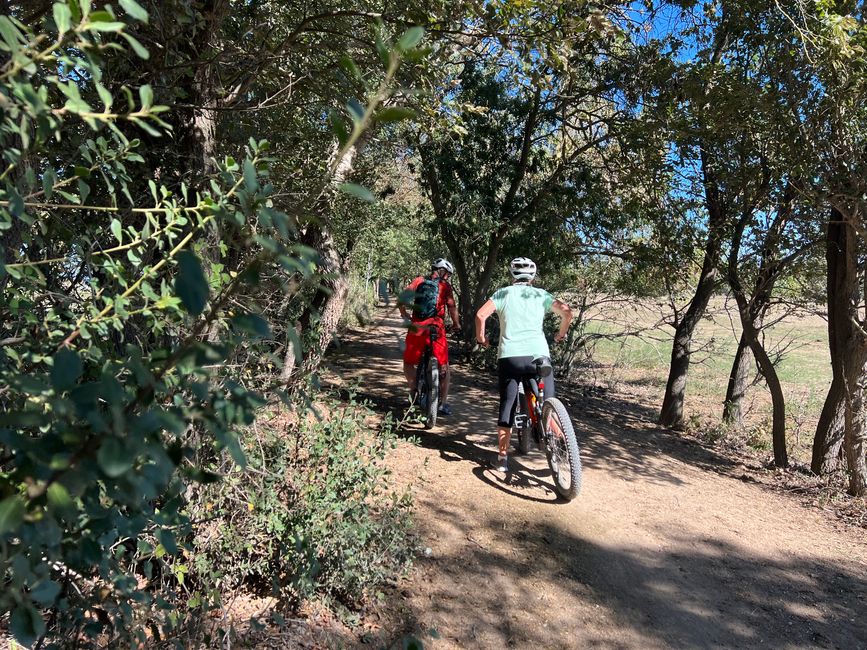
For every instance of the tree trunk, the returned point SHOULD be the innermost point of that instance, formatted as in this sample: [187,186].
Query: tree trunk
[671,414]
[855,437]
[330,299]
[854,363]
[752,310]
[739,380]
[198,132]
[828,441]
[766,367]
[839,290]
[855,409]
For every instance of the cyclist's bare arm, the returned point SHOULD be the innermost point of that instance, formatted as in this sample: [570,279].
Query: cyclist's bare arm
[401,305]
[565,313]
[482,316]
[453,312]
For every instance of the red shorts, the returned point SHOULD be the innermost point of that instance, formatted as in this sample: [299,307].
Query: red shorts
[417,338]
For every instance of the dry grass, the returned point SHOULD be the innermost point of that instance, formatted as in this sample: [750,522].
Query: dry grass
[641,360]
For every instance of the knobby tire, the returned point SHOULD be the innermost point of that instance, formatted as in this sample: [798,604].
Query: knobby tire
[432,381]
[525,431]
[567,446]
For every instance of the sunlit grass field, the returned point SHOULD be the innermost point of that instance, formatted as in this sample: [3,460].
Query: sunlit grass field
[641,360]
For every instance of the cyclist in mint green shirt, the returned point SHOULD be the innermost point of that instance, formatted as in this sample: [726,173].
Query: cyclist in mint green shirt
[521,308]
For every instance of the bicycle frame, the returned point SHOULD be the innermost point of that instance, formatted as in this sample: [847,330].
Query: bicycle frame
[536,390]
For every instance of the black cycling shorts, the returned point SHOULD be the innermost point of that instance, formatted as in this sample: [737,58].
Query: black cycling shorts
[510,371]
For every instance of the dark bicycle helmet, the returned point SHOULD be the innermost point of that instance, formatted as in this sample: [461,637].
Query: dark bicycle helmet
[523,268]
[443,263]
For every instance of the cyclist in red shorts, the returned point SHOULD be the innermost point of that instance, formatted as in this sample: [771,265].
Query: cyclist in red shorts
[432,295]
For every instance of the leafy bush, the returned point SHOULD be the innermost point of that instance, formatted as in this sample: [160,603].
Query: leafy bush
[311,514]
[129,321]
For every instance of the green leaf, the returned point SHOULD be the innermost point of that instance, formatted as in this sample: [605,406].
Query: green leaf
[146,94]
[49,178]
[62,17]
[104,95]
[66,370]
[77,106]
[105,26]
[11,513]
[139,49]
[338,126]
[26,624]
[382,48]
[410,38]
[59,499]
[350,66]
[10,34]
[252,324]
[117,230]
[250,180]
[235,450]
[394,114]
[135,10]
[357,191]
[45,592]
[191,286]
[83,190]
[113,458]
[167,541]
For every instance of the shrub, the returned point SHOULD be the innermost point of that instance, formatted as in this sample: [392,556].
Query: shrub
[130,309]
[312,514]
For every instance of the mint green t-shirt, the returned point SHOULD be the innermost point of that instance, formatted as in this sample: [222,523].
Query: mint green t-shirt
[522,308]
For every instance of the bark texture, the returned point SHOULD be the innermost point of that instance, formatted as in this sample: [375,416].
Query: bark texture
[739,381]
[828,440]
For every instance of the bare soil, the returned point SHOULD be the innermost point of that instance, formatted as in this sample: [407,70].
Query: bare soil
[669,544]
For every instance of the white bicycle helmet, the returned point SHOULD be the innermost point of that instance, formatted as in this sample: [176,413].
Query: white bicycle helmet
[523,268]
[443,263]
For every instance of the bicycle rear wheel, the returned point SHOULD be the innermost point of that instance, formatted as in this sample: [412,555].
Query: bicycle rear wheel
[432,381]
[523,427]
[420,384]
[564,458]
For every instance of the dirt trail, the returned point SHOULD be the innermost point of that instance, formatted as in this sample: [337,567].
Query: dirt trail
[665,546]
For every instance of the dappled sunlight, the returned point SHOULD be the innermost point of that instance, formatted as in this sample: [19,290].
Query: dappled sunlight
[661,549]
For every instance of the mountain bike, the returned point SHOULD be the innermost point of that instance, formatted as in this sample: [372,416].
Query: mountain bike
[545,422]
[427,381]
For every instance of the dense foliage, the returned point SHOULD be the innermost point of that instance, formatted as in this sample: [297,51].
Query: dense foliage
[133,325]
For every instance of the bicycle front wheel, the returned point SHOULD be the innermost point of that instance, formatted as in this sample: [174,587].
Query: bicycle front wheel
[564,458]
[433,391]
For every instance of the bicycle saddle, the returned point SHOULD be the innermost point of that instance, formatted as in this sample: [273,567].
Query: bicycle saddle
[543,366]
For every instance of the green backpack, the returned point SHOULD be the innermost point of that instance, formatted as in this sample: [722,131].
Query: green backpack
[426,297]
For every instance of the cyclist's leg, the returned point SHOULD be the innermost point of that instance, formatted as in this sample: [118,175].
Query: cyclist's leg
[441,352]
[550,387]
[409,372]
[508,401]
[510,370]
[416,341]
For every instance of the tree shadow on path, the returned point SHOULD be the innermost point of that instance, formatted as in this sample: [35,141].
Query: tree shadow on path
[700,594]
[508,569]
